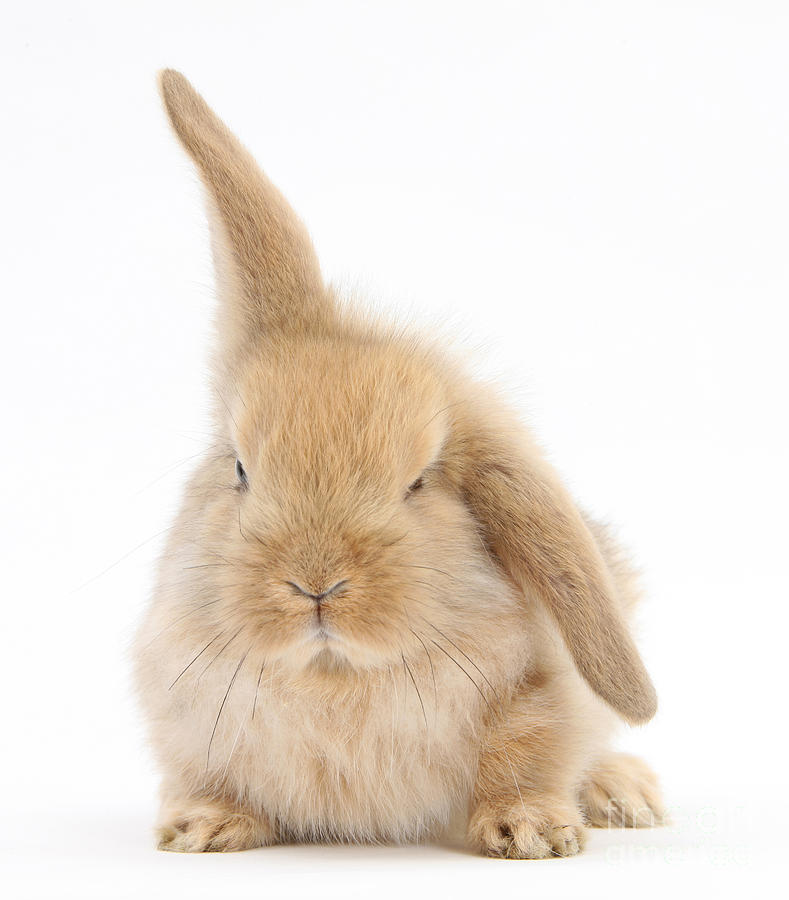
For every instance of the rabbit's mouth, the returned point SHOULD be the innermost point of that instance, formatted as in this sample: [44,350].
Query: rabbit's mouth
[326,650]
[321,634]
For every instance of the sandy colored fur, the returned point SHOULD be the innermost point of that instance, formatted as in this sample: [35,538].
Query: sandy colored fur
[473,655]
[621,791]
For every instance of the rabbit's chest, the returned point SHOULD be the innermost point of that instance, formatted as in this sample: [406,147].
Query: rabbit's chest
[391,762]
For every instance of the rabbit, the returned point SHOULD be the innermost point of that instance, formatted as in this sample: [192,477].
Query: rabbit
[378,611]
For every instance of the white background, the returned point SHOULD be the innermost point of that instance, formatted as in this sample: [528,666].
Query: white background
[594,196]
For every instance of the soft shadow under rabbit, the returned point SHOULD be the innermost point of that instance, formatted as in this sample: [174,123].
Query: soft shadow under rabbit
[378,608]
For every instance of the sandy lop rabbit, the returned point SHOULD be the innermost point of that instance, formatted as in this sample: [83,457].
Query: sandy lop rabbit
[378,611]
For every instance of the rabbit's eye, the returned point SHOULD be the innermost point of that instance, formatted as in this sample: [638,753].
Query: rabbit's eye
[241,474]
[414,486]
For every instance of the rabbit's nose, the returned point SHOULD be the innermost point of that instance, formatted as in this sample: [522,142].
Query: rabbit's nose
[322,595]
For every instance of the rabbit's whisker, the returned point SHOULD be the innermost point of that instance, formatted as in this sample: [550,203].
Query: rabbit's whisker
[194,660]
[257,688]
[418,600]
[413,681]
[396,540]
[426,584]
[180,618]
[240,728]
[166,472]
[428,568]
[119,561]
[205,549]
[224,403]
[442,410]
[395,719]
[233,748]
[221,707]
[215,658]
[238,394]
[465,672]
[432,674]
[236,585]
[487,680]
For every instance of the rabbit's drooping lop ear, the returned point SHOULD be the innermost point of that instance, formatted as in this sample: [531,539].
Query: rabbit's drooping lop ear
[268,271]
[535,530]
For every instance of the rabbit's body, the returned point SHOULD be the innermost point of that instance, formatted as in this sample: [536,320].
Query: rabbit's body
[391,615]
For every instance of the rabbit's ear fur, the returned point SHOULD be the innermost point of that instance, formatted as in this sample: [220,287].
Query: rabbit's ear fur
[531,525]
[268,270]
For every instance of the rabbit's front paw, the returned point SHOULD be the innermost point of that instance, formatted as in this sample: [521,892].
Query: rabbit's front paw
[206,828]
[519,830]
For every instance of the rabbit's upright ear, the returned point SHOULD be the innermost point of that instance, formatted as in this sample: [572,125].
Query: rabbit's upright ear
[531,525]
[267,269]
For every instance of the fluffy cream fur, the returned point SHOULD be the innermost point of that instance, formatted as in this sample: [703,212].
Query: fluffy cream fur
[392,615]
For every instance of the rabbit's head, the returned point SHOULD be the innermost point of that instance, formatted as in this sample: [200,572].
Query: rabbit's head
[340,533]
[364,490]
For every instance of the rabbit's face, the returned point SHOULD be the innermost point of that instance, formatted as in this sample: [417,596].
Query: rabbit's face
[347,539]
